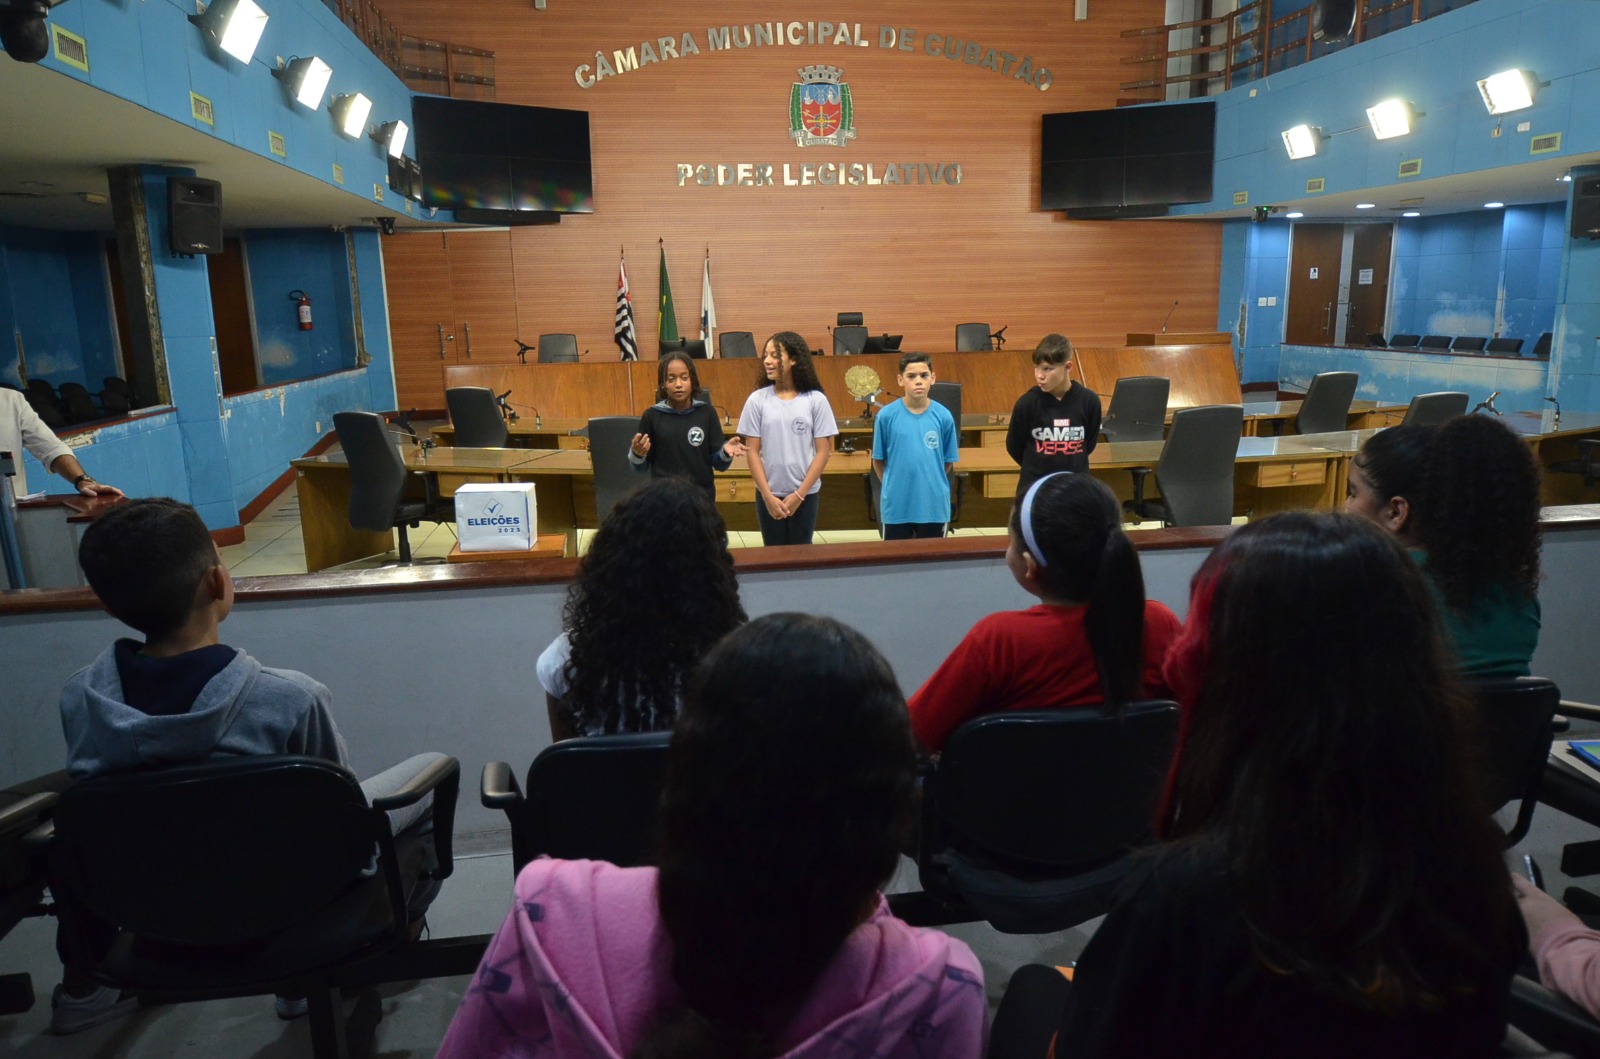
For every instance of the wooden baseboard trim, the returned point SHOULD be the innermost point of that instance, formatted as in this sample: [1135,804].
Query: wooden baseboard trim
[249,512]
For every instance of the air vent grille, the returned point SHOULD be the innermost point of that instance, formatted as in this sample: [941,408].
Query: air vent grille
[1411,167]
[1550,141]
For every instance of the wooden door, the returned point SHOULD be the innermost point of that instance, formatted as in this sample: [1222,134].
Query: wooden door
[484,290]
[230,315]
[422,316]
[1314,258]
[1369,281]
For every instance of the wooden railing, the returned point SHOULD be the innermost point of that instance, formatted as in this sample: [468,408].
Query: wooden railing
[432,66]
[1205,56]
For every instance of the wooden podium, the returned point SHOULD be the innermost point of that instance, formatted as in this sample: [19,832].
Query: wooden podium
[1180,338]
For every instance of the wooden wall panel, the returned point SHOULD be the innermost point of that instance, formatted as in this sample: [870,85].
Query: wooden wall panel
[915,260]
[1200,375]
[560,391]
[416,271]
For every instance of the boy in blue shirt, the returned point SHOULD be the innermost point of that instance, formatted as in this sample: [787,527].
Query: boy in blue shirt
[914,444]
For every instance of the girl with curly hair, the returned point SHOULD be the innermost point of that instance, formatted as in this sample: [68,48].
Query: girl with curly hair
[654,592]
[788,429]
[1464,497]
[763,932]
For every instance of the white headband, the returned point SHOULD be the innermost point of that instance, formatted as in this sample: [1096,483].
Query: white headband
[1025,517]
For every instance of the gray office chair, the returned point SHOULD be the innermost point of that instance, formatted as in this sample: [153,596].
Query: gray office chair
[1195,472]
[849,320]
[1431,409]
[849,340]
[614,477]
[1138,409]
[378,480]
[973,338]
[1327,404]
[476,416]
[736,344]
[558,349]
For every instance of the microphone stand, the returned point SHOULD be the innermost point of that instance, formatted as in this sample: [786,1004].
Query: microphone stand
[999,337]
[522,350]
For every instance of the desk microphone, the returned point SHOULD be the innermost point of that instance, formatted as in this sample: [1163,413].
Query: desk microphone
[536,422]
[1169,315]
[1557,403]
[523,349]
[405,429]
[1487,404]
[725,419]
[505,407]
[999,337]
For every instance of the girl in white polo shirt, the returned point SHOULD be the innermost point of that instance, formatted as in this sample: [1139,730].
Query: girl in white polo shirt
[788,430]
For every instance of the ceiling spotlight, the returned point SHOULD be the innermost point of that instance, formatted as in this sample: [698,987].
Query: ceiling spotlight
[350,113]
[306,79]
[1302,141]
[1508,90]
[1366,205]
[1294,215]
[235,25]
[392,134]
[1391,118]
[1412,213]
[1494,205]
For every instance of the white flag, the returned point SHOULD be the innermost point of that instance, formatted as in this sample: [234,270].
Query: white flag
[627,341]
[708,310]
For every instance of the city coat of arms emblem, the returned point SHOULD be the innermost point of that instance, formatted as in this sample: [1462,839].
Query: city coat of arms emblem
[820,109]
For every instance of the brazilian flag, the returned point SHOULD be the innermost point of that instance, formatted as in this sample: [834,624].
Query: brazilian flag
[668,328]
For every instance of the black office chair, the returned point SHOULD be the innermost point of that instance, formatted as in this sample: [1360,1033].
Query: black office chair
[22,883]
[46,404]
[1404,341]
[1431,409]
[1434,342]
[1503,345]
[1138,409]
[115,404]
[1587,465]
[734,345]
[849,340]
[1541,348]
[245,876]
[849,320]
[1376,340]
[378,479]
[610,437]
[558,349]
[1552,1020]
[1469,343]
[1195,472]
[476,416]
[1028,815]
[1513,721]
[973,338]
[1327,403]
[590,798]
[79,406]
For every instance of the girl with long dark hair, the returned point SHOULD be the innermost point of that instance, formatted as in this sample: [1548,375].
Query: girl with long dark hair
[762,933]
[1330,879]
[1093,637]
[788,430]
[680,435]
[654,592]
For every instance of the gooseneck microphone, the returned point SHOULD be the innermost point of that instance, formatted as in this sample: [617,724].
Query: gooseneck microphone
[1169,315]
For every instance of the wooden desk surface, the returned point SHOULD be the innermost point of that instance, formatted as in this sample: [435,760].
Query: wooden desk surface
[442,459]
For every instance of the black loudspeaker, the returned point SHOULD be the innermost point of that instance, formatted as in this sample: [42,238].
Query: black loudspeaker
[1586,208]
[1332,20]
[194,215]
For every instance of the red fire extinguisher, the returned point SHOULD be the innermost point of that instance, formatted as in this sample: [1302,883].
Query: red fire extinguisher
[302,308]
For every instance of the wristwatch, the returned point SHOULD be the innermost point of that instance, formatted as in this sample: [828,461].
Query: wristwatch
[82,478]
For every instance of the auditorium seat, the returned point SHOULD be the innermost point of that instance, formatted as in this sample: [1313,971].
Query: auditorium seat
[1404,341]
[1513,726]
[1541,348]
[1504,345]
[1469,343]
[1434,342]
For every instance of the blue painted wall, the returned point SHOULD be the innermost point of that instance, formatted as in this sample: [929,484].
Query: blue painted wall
[54,296]
[316,262]
[145,456]
[1575,362]
[1395,376]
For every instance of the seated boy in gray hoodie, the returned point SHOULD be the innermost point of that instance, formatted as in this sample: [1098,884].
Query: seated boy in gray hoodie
[181,695]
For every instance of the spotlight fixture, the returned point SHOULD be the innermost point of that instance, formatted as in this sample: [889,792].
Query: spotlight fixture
[235,25]
[22,28]
[1507,91]
[350,113]
[1391,118]
[392,134]
[1295,215]
[306,79]
[1366,205]
[1302,141]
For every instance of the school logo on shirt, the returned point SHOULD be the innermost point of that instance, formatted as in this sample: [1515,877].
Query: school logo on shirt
[1060,439]
[696,436]
[931,439]
[799,426]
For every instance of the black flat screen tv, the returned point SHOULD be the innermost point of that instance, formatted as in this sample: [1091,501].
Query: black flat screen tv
[502,156]
[1128,161]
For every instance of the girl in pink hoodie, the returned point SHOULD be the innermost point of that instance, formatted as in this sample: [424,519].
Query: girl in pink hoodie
[762,933]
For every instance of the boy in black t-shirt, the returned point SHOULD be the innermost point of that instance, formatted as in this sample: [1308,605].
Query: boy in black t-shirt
[1055,425]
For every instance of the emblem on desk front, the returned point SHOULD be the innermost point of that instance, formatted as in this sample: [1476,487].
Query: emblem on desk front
[820,109]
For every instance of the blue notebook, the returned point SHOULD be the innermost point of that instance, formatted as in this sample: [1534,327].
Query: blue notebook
[1588,750]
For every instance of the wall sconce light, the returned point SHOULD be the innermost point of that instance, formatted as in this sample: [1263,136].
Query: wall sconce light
[392,134]
[235,25]
[1391,118]
[1302,141]
[306,80]
[350,113]
[1507,91]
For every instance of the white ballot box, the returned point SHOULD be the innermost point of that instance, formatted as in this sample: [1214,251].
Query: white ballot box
[496,517]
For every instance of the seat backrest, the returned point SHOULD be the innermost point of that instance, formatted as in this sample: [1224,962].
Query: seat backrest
[1431,409]
[593,798]
[849,320]
[1055,788]
[80,406]
[1404,341]
[1138,409]
[476,416]
[115,402]
[218,852]
[1327,403]
[46,408]
[1541,348]
[949,395]
[614,477]
[1434,342]
[736,344]
[1504,345]
[1376,339]
[1470,343]
[971,338]
[1196,469]
[117,384]
[851,340]
[1513,727]
[377,474]
[558,349]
